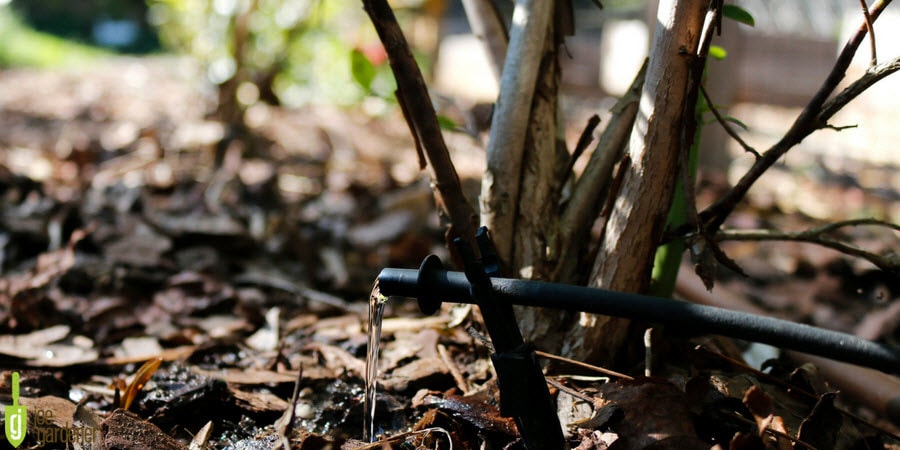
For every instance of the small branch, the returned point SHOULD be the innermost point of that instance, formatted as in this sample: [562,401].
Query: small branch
[872,76]
[727,126]
[739,418]
[808,121]
[587,135]
[840,127]
[818,236]
[570,391]
[689,130]
[830,227]
[419,112]
[575,362]
[871,29]
[487,25]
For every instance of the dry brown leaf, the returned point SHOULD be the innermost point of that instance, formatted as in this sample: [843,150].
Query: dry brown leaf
[259,401]
[760,405]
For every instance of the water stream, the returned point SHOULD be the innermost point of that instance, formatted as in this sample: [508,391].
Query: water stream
[376,314]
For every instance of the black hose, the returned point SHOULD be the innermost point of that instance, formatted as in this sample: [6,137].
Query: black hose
[432,285]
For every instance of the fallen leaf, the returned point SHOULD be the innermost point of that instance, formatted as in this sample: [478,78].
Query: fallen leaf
[124,430]
[259,401]
[39,348]
[248,376]
[654,410]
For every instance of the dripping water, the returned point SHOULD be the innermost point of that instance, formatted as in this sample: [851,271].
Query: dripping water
[376,314]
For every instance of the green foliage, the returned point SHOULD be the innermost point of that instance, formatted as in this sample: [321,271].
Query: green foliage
[303,51]
[736,121]
[735,12]
[717,52]
[22,46]
[447,123]
[363,69]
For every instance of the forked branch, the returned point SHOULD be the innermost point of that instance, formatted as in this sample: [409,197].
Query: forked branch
[809,120]
[820,236]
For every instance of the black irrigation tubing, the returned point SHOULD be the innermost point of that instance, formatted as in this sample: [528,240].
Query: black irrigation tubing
[432,285]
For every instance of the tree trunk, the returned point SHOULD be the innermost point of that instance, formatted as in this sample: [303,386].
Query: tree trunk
[647,178]
[649,172]
[535,235]
[506,149]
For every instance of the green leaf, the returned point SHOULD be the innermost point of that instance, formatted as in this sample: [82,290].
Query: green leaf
[735,12]
[717,52]
[736,121]
[447,123]
[363,70]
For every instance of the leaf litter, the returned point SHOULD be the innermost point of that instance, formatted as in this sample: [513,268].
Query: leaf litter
[241,274]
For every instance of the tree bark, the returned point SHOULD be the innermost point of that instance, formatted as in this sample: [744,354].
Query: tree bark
[535,235]
[503,175]
[650,170]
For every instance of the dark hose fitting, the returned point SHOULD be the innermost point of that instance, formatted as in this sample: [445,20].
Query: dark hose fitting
[424,285]
[431,285]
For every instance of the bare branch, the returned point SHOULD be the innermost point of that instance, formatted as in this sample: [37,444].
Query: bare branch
[727,126]
[830,227]
[419,112]
[587,135]
[819,236]
[871,29]
[485,21]
[808,121]
[872,76]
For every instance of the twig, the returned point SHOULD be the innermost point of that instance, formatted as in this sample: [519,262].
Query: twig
[570,391]
[840,127]
[583,142]
[780,434]
[817,236]
[829,227]
[872,75]
[386,443]
[487,25]
[574,362]
[284,423]
[727,126]
[423,120]
[871,29]
[701,254]
[461,382]
[808,121]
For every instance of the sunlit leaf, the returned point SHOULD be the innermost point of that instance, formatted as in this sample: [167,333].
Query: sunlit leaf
[717,52]
[363,70]
[141,378]
[739,14]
